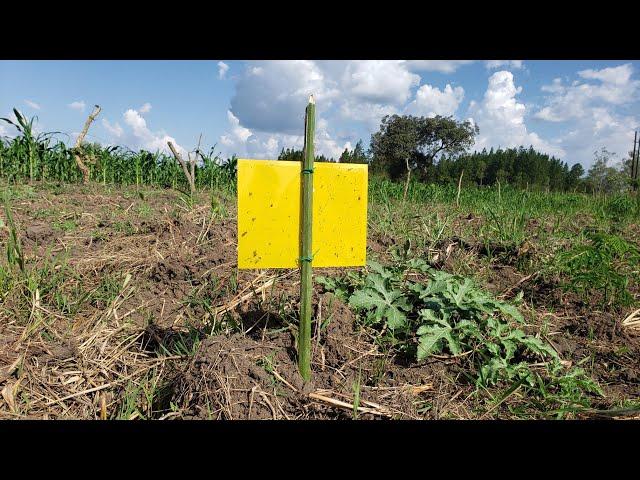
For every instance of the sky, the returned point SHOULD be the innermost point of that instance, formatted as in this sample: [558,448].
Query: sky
[253,109]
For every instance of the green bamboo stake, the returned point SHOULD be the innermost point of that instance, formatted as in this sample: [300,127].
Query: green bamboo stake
[306,281]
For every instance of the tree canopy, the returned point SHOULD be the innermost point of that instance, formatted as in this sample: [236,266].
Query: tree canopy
[405,143]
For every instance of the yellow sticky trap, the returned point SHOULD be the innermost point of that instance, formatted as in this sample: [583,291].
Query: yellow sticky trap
[269,211]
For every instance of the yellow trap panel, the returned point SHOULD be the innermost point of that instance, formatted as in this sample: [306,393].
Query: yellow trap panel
[269,211]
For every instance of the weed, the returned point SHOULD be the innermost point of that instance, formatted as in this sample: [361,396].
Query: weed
[604,264]
[125,227]
[15,255]
[144,210]
[356,394]
[65,226]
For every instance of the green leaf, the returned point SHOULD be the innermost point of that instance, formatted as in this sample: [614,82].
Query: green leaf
[432,340]
[366,298]
[510,311]
[536,345]
[384,307]
[462,291]
[395,318]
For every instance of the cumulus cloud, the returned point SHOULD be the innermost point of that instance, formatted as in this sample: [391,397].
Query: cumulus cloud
[271,96]
[493,64]
[33,104]
[139,136]
[77,105]
[379,81]
[614,86]
[501,117]
[369,114]
[243,142]
[442,66]
[237,135]
[555,87]
[115,130]
[222,70]
[600,128]
[431,101]
[620,75]
[146,108]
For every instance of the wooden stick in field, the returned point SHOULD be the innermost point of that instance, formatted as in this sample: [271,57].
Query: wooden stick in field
[306,281]
[78,148]
[459,186]
[190,174]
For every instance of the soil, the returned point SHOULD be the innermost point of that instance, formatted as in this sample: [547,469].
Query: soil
[182,267]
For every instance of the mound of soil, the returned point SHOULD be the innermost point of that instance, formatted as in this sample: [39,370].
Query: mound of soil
[246,377]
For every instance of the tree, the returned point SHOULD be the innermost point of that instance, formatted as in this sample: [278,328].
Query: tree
[345,157]
[291,154]
[417,142]
[603,178]
[630,165]
[574,176]
[297,155]
[357,155]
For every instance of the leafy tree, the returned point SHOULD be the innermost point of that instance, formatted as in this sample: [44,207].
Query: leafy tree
[574,176]
[603,178]
[408,143]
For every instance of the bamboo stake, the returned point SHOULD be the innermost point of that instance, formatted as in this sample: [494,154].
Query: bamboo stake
[306,285]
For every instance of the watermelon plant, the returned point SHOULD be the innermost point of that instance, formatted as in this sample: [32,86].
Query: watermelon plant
[423,312]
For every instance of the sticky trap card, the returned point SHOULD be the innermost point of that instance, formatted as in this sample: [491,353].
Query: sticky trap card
[269,213]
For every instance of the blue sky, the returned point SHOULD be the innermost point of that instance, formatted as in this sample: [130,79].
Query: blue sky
[255,108]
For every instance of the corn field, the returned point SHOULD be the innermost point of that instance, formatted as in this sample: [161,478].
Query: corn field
[31,157]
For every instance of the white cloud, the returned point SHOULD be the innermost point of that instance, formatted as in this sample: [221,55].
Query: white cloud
[379,81]
[78,105]
[240,141]
[431,101]
[146,108]
[272,96]
[614,87]
[555,87]
[514,64]
[142,137]
[33,104]
[368,113]
[442,66]
[115,129]
[617,75]
[222,70]
[501,118]
[238,134]
[600,128]
[243,142]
